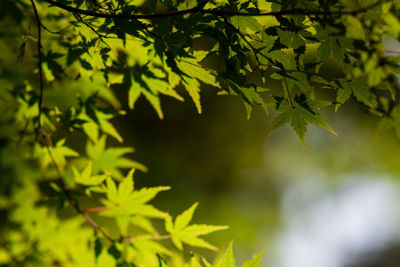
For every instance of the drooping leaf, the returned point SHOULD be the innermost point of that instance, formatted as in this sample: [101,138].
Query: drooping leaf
[360,90]
[299,115]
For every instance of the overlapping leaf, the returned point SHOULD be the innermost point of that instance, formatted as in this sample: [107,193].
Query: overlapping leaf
[86,177]
[123,200]
[110,159]
[59,152]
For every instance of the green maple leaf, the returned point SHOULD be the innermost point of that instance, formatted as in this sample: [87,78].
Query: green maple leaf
[391,122]
[192,86]
[299,115]
[194,73]
[299,124]
[243,23]
[110,159]
[354,28]
[60,151]
[150,84]
[86,177]
[124,200]
[182,232]
[254,262]
[148,252]
[228,260]
[97,120]
[280,57]
[250,96]
[359,89]
[329,47]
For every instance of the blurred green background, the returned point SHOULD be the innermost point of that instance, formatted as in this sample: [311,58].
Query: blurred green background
[333,203]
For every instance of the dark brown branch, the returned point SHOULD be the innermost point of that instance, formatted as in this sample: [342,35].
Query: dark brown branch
[123,16]
[217,12]
[40,60]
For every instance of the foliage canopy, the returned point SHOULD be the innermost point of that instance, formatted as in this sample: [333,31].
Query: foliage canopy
[272,54]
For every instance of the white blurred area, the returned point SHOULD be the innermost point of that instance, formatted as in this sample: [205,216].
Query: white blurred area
[341,195]
[392,46]
[325,227]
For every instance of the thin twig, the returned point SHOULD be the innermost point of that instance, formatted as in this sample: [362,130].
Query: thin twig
[101,36]
[155,36]
[95,209]
[59,31]
[391,52]
[257,52]
[244,39]
[327,77]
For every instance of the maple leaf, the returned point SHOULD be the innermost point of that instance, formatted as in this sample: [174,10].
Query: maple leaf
[110,159]
[299,115]
[124,200]
[86,177]
[182,232]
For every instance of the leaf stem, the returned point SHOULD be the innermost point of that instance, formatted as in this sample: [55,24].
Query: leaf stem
[95,209]
[145,237]
[288,92]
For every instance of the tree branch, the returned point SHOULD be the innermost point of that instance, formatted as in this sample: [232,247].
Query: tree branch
[40,60]
[217,12]
[257,52]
